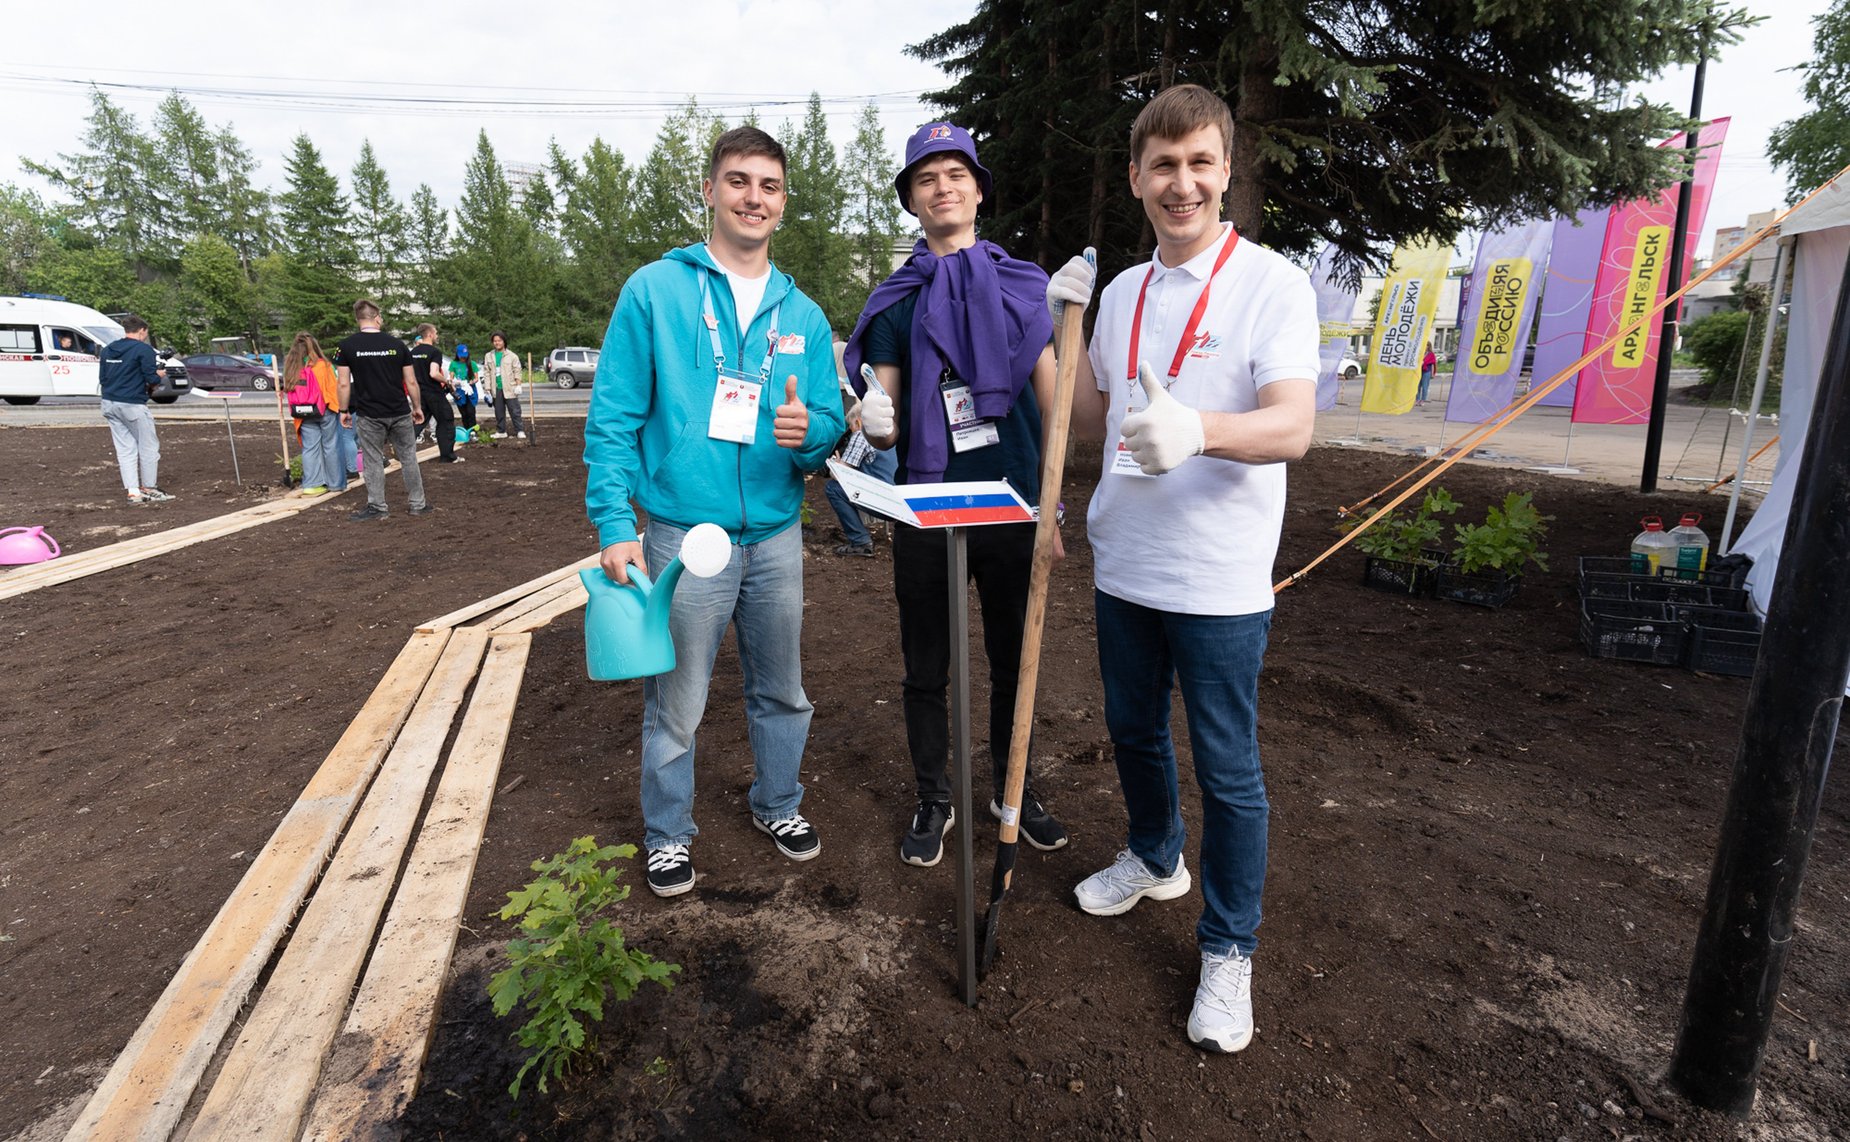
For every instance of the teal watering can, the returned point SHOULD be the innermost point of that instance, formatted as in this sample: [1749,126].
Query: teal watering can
[626,628]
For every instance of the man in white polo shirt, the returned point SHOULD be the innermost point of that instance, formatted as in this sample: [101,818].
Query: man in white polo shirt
[1202,372]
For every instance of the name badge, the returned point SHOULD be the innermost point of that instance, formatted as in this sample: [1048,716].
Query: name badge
[1122,463]
[735,407]
[968,431]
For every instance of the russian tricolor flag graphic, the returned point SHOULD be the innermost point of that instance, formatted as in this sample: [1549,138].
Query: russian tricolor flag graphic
[955,511]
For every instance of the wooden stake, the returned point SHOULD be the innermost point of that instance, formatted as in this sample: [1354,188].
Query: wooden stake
[282,423]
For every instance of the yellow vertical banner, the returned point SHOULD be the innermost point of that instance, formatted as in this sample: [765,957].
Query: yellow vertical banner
[1403,326]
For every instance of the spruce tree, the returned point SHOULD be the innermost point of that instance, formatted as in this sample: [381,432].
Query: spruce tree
[189,151]
[871,214]
[117,185]
[810,245]
[596,225]
[669,209]
[381,232]
[315,289]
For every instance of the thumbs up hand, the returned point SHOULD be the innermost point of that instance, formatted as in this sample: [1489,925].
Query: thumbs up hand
[878,419]
[792,423]
[1165,432]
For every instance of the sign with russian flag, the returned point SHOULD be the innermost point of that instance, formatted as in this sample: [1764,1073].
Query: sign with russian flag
[966,504]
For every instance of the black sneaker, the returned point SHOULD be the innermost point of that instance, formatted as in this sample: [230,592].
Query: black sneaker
[671,870]
[864,550]
[369,512]
[425,510]
[1038,827]
[795,837]
[924,841]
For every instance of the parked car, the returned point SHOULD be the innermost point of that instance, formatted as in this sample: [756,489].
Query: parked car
[572,366]
[1350,369]
[224,371]
[176,384]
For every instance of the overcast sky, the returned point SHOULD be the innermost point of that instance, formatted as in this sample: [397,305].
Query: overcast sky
[258,67]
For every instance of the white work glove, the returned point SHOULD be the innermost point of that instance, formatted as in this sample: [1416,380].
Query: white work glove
[878,418]
[1166,432]
[1072,282]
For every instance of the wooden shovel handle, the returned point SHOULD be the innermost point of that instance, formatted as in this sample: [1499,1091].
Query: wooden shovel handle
[1053,469]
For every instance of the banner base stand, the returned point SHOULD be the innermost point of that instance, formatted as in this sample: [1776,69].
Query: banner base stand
[1553,470]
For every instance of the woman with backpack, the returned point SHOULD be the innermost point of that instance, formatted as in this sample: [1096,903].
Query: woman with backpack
[314,402]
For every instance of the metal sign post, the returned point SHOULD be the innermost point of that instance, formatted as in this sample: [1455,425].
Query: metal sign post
[227,396]
[959,564]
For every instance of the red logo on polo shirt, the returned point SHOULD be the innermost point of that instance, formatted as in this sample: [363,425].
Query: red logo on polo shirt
[1205,346]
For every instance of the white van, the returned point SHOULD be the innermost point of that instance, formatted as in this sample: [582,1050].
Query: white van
[50,347]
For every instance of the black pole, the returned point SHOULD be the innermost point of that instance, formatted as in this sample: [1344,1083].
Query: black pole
[1667,341]
[1785,753]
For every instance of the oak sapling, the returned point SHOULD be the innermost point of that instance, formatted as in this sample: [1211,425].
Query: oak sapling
[568,960]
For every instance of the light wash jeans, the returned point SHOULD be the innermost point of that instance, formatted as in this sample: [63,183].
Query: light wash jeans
[402,435]
[138,449]
[760,594]
[349,448]
[321,463]
[1142,653]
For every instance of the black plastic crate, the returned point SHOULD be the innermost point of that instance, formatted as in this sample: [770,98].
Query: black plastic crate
[1633,632]
[1611,577]
[1722,642]
[1478,588]
[1608,577]
[1668,589]
[1401,576]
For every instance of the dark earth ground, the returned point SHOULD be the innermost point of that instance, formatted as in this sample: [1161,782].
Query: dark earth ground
[1489,851]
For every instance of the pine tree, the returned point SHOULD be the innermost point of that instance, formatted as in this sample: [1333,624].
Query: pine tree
[1815,146]
[1362,122]
[871,212]
[381,232]
[315,289]
[116,184]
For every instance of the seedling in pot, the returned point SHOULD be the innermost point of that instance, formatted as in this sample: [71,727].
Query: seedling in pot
[1403,536]
[1508,539]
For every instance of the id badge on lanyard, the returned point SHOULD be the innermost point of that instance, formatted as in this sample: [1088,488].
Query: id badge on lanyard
[1122,464]
[736,394]
[968,430]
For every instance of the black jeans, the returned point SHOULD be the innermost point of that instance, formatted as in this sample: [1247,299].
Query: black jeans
[1000,559]
[437,413]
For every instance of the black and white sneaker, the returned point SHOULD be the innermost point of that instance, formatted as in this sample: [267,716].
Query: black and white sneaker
[795,837]
[671,870]
[1038,827]
[923,844]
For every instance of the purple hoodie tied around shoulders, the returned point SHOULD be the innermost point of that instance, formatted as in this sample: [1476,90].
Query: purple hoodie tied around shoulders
[979,311]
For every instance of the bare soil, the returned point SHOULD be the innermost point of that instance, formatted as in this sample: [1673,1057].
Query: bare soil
[1488,850]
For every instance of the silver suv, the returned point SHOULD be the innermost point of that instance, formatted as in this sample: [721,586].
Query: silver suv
[572,366]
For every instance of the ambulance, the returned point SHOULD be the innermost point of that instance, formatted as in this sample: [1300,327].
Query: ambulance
[50,347]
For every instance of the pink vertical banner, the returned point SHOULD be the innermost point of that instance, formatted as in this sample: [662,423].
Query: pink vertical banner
[1615,387]
[1494,316]
[1335,308]
[1567,298]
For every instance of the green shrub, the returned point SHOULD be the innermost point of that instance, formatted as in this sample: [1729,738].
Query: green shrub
[1405,536]
[568,959]
[1509,538]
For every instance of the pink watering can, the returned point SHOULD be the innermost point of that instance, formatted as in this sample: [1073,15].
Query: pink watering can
[21,545]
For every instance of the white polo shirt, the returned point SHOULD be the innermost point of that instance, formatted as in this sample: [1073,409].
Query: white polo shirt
[1199,539]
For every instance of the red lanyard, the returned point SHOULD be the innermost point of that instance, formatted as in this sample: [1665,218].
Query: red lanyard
[1194,319]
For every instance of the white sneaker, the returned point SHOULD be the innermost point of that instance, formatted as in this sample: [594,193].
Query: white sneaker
[1222,1019]
[1117,889]
[520,436]
[500,436]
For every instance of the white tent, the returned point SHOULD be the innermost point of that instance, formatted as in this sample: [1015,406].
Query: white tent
[1819,233]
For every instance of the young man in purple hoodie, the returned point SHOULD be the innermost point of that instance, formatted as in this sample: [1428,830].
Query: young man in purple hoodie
[958,339]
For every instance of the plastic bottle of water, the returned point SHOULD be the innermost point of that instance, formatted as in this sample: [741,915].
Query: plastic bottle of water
[1652,548]
[1691,545]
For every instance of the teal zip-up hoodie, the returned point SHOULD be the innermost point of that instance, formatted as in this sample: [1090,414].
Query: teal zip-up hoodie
[646,432]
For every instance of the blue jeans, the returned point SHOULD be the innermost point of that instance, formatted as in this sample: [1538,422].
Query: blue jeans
[760,594]
[882,466]
[321,463]
[1142,652]
[1425,382]
[349,449]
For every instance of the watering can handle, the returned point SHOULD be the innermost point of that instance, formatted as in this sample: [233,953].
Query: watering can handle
[55,549]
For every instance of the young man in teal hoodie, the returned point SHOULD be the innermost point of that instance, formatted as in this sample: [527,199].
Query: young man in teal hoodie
[715,393]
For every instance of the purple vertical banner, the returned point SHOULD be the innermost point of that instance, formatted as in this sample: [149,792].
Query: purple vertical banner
[1567,299]
[1494,320]
[1335,308]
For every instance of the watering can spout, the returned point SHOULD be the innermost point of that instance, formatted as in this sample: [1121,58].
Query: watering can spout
[626,627]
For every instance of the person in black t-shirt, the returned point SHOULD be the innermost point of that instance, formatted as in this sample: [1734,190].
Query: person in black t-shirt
[427,363]
[381,399]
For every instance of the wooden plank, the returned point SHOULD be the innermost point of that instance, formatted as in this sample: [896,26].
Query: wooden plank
[539,618]
[147,1089]
[477,609]
[271,1071]
[372,1073]
[514,611]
